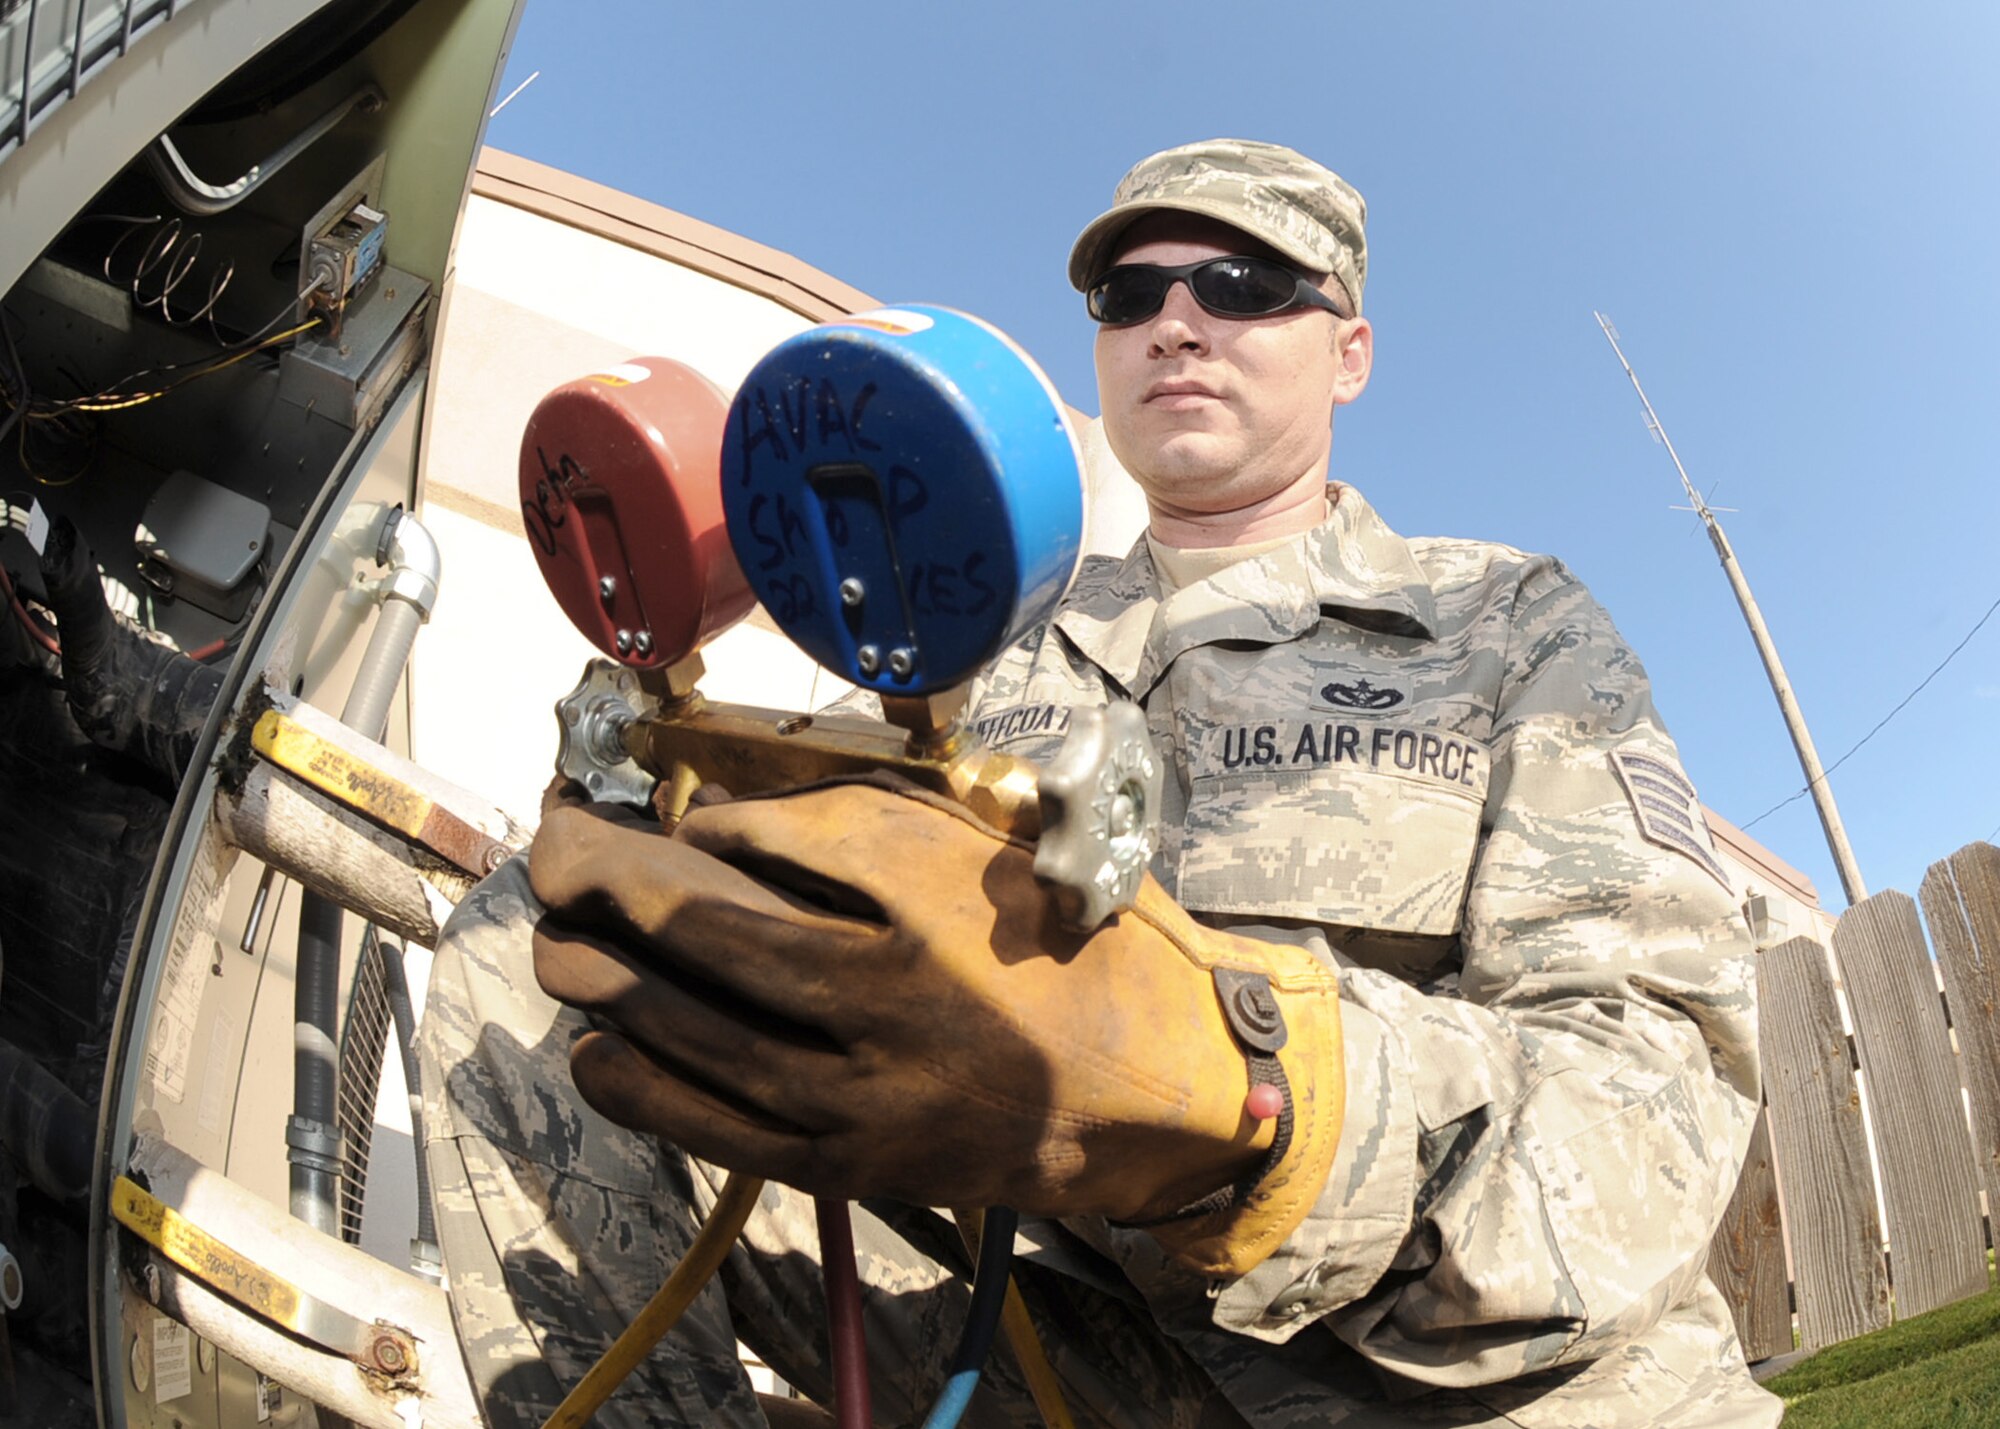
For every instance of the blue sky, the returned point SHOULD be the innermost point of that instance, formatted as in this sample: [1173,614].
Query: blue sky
[1788,209]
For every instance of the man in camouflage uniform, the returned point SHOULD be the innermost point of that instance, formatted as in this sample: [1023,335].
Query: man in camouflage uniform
[1428,769]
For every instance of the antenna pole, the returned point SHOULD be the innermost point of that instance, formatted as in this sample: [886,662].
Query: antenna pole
[1781,686]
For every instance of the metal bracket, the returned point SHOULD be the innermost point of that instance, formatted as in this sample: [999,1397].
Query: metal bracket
[375,793]
[379,1347]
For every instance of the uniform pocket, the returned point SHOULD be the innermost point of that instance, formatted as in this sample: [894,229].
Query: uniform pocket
[1368,824]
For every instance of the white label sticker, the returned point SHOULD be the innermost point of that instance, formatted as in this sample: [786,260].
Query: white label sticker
[623,375]
[38,527]
[173,1363]
[190,954]
[216,1083]
[899,321]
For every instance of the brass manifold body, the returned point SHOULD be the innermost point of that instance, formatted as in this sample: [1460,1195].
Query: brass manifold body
[651,737]
[676,735]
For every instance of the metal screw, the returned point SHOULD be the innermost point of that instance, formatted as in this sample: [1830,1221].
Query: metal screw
[852,591]
[153,1283]
[496,854]
[388,1355]
[643,642]
[606,589]
[868,659]
[623,641]
[902,662]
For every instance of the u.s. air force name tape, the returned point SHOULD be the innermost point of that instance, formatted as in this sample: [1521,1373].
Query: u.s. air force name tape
[1439,757]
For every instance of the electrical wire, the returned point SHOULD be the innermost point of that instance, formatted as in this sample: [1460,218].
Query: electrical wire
[279,316]
[62,433]
[20,378]
[1881,722]
[35,632]
[62,418]
[733,1205]
[108,401]
[113,397]
[53,645]
[19,396]
[989,1297]
[851,1399]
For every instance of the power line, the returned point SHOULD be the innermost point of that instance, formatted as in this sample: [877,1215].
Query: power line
[1884,720]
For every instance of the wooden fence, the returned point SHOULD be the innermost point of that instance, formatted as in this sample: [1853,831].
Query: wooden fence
[1933,1112]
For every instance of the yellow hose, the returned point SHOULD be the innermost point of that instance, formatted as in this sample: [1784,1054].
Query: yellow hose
[711,1246]
[1019,1327]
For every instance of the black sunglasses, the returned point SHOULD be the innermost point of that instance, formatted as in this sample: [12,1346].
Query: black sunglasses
[1233,287]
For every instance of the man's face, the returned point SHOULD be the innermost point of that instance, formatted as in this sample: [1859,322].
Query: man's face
[1213,414]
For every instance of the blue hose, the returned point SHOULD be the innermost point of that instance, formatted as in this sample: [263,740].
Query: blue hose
[989,1294]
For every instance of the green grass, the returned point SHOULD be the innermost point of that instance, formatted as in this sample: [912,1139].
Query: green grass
[1937,1369]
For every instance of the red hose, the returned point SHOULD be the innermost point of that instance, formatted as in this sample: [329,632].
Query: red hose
[851,1406]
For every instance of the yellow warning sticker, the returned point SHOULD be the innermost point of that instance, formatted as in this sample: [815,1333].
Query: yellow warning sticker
[332,770]
[203,1256]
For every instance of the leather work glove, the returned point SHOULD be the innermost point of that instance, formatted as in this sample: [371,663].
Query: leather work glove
[858,989]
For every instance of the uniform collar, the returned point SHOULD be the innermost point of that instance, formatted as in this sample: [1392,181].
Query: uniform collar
[1351,567]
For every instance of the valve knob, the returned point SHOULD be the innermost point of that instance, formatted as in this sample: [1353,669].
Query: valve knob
[592,720]
[1100,801]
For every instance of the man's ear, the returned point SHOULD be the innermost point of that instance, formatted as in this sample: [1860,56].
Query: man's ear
[1354,350]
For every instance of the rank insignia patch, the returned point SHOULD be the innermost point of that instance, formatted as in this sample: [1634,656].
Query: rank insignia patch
[1669,813]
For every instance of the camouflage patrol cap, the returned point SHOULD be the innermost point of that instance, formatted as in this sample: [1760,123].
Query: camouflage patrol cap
[1303,209]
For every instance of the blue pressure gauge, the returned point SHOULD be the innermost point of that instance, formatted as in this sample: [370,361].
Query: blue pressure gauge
[903,491]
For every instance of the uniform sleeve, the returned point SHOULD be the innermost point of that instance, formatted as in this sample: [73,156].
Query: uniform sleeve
[1531,1169]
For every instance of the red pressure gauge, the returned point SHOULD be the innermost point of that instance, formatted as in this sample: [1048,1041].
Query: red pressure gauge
[621,494]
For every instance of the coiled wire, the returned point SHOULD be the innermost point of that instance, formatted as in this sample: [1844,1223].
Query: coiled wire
[163,266]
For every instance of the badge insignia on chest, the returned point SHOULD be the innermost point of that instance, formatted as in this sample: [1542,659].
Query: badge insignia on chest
[1360,695]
